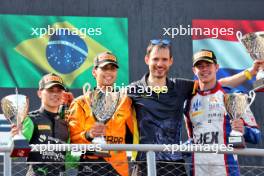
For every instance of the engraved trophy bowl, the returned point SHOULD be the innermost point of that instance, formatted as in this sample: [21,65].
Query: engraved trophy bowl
[15,109]
[254,43]
[103,104]
[236,105]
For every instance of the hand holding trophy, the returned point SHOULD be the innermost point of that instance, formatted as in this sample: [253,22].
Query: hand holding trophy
[236,105]
[15,109]
[103,104]
[254,43]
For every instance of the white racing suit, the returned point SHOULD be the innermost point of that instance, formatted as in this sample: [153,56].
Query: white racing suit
[208,123]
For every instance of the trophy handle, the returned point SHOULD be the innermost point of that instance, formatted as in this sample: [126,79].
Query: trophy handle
[239,36]
[86,88]
[251,97]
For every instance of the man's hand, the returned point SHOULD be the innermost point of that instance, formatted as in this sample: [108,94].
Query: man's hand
[67,98]
[256,65]
[97,130]
[238,125]
[14,130]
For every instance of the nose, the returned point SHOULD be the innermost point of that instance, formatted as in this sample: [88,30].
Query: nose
[159,63]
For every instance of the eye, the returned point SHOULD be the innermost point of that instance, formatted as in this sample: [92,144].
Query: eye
[155,59]
[165,59]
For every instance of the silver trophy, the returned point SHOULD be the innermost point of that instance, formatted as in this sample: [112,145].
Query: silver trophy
[15,108]
[254,43]
[104,104]
[236,105]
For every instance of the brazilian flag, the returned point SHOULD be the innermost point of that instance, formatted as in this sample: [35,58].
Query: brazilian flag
[32,46]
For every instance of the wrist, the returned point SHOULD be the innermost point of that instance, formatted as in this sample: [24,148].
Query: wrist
[248,74]
[253,71]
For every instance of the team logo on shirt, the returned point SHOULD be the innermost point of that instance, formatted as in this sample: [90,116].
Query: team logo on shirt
[196,108]
[42,138]
[207,138]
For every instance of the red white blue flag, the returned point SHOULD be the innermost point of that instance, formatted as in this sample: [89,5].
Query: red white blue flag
[220,36]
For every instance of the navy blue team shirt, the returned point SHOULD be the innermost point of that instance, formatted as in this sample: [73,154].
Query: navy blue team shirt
[160,116]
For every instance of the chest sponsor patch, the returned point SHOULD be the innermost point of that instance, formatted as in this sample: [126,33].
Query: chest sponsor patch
[196,113]
[44,127]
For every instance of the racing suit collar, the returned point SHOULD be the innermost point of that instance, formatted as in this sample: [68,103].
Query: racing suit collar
[210,91]
[49,114]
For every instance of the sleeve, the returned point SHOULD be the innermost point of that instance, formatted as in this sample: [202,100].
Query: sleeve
[252,133]
[131,124]
[185,85]
[71,161]
[28,128]
[187,119]
[132,134]
[79,112]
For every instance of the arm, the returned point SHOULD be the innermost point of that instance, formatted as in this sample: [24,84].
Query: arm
[131,120]
[132,127]
[252,135]
[237,79]
[79,115]
[28,128]
[248,126]
[188,123]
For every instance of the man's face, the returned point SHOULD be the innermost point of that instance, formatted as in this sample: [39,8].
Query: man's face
[206,71]
[105,76]
[159,62]
[52,97]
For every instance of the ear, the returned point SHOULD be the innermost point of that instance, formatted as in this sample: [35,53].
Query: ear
[147,59]
[194,71]
[217,67]
[171,60]
[39,92]
[94,72]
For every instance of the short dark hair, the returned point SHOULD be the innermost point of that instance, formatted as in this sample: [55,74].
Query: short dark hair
[159,45]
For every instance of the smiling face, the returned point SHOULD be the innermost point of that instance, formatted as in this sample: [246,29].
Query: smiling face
[105,76]
[51,98]
[159,62]
[206,73]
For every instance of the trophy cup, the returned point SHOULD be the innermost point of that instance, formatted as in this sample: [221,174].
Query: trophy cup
[236,105]
[15,108]
[254,43]
[103,104]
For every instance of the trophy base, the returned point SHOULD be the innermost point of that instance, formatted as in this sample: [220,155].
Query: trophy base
[102,153]
[259,85]
[99,140]
[20,148]
[237,141]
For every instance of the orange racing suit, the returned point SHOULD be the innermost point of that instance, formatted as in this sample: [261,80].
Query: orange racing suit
[123,122]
